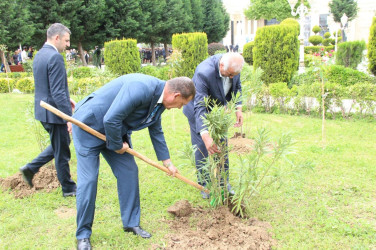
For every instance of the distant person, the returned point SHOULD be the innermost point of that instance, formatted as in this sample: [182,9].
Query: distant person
[15,57]
[30,53]
[97,60]
[24,56]
[86,55]
[51,86]
[129,103]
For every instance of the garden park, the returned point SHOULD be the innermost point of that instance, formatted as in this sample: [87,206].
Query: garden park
[302,165]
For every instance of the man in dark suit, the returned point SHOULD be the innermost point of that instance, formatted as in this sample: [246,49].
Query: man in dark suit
[217,78]
[51,86]
[129,103]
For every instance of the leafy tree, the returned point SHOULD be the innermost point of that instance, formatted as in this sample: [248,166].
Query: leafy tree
[15,26]
[83,19]
[268,9]
[124,18]
[197,15]
[44,13]
[216,20]
[339,7]
[372,48]
[177,18]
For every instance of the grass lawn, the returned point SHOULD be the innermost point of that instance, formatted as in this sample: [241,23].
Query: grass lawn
[330,205]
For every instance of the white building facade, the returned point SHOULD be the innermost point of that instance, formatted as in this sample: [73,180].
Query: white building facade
[243,30]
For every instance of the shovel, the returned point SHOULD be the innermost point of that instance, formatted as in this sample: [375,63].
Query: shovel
[129,150]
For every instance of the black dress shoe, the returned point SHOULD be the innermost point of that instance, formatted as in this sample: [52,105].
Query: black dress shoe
[137,231]
[205,195]
[69,194]
[83,244]
[27,175]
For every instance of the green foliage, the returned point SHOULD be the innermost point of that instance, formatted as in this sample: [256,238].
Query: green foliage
[327,41]
[349,54]
[281,93]
[122,56]
[346,76]
[293,22]
[216,20]
[80,72]
[372,48]
[327,35]
[84,86]
[218,121]
[268,9]
[193,48]
[197,15]
[247,52]
[317,49]
[339,7]
[316,29]
[25,85]
[255,169]
[16,75]
[158,72]
[276,51]
[213,47]
[6,85]
[315,40]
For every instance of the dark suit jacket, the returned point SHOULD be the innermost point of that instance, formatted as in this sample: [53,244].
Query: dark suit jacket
[51,85]
[120,107]
[208,83]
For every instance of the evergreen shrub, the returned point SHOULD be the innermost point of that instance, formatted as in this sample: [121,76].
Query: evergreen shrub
[193,48]
[346,76]
[327,35]
[326,41]
[213,47]
[316,29]
[122,56]
[247,52]
[372,48]
[80,72]
[16,75]
[349,54]
[25,85]
[276,52]
[315,40]
[4,88]
[317,49]
[292,22]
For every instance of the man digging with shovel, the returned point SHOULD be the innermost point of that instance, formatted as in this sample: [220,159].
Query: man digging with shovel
[128,103]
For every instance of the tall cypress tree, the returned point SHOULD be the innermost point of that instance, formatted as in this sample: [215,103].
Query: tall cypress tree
[216,20]
[197,15]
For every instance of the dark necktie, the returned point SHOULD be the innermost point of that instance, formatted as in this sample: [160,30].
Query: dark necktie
[153,113]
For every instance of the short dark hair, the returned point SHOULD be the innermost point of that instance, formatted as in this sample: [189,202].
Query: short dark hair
[57,29]
[184,85]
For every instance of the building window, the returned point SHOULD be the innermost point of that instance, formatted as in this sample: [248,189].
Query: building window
[271,22]
[323,23]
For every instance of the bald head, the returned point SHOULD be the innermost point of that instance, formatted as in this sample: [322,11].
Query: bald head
[233,62]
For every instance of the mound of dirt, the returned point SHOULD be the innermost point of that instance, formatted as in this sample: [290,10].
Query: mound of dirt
[218,229]
[181,208]
[45,179]
[239,144]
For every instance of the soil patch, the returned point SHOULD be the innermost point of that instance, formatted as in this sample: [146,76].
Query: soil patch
[65,212]
[218,229]
[45,180]
[239,144]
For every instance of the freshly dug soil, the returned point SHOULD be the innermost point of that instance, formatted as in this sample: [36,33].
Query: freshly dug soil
[45,180]
[216,229]
[239,144]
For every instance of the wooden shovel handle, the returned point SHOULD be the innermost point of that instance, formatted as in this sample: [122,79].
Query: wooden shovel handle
[129,150]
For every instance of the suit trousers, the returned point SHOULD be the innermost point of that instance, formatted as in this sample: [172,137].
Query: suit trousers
[125,170]
[58,149]
[200,154]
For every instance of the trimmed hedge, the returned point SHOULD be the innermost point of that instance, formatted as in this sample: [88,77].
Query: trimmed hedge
[122,56]
[213,47]
[292,22]
[276,52]
[4,88]
[158,72]
[317,49]
[349,54]
[16,75]
[25,85]
[193,48]
[80,72]
[315,40]
[372,48]
[247,52]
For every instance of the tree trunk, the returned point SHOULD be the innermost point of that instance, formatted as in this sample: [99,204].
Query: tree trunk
[82,55]
[166,50]
[153,53]
[4,61]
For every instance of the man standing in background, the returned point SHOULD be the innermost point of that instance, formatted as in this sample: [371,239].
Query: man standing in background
[51,86]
